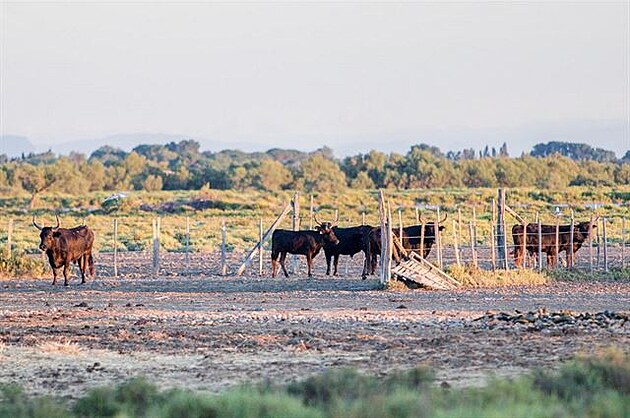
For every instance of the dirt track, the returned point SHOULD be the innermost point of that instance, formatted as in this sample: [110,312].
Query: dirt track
[213,332]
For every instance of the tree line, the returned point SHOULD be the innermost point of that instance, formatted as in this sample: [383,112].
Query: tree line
[182,166]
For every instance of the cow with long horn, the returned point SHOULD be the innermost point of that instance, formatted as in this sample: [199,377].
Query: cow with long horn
[307,243]
[413,239]
[65,246]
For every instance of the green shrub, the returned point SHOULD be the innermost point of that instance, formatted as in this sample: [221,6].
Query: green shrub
[586,387]
[19,264]
[14,403]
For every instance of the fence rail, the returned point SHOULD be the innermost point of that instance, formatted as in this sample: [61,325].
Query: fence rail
[180,245]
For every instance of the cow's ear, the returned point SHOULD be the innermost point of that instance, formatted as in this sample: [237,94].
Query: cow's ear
[442,227]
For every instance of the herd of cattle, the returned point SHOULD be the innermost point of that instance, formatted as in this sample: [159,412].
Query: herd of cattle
[74,245]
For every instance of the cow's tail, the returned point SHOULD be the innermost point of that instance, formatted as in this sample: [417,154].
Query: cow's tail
[91,264]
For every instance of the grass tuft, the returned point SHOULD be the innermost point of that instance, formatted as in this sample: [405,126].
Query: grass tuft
[472,276]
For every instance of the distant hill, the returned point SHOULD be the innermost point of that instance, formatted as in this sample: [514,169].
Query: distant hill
[125,142]
[15,146]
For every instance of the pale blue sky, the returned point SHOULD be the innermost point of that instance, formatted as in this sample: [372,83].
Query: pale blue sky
[348,75]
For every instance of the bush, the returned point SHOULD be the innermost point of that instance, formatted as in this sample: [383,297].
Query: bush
[19,264]
[589,387]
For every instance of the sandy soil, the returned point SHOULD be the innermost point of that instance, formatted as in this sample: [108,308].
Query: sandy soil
[211,332]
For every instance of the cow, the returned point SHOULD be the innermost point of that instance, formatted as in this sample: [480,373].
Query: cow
[350,243]
[581,232]
[412,240]
[64,246]
[307,243]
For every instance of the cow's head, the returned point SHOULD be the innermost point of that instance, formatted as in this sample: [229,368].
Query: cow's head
[326,230]
[47,235]
[429,231]
[584,228]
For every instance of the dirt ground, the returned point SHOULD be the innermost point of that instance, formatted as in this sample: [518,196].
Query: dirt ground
[209,332]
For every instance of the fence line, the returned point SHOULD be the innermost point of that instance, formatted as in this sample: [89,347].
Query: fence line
[606,244]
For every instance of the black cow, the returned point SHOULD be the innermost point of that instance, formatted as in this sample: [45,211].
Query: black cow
[307,243]
[64,246]
[548,241]
[412,240]
[350,243]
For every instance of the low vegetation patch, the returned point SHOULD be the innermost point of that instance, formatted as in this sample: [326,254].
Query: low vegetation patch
[614,274]
[17,264]
[471,276]
[592,386]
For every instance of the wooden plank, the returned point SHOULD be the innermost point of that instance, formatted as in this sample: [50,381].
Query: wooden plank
[267,235]
[513,213]
[420,271]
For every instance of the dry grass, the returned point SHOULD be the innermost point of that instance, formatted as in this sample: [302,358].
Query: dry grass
[471,276]
[64,346]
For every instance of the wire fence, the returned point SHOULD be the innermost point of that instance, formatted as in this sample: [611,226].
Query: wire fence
[180,246]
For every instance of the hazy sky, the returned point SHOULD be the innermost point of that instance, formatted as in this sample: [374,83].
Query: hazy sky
[348,75]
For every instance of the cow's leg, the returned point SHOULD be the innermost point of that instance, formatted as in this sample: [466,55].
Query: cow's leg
[54,270]
[336,262]
[82,265]
[375,257]
[309,263]
[90,259]
[274,263]
[518,256]
[328,260]
[66,267]
[283,257]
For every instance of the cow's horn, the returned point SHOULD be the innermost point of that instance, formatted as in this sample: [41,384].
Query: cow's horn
[445,216]
[315,219]
[595,220]
[336,216]
[35,224]
[58,223]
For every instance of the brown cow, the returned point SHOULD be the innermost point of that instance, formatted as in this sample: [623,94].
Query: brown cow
[64,246]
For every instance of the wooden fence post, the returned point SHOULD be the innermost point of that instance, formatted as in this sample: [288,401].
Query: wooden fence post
[501,240]
[540,261]
[456,243]
[599,246]
[386,240]
[438,238]
[590,243]
[363,218]
[474,224]
[570,260]
[422,232]
[156,245]
[187,245]
[260,248]
[296,227]
[417,215]
[623,242]
[604,237]
[492,235]
[9,237]
[310,215]
[400,225]
[524,245]
[115,247]
[224,267]
[473,250]
[557,249]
